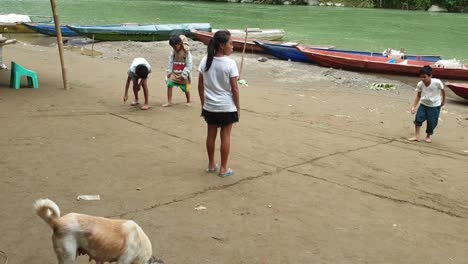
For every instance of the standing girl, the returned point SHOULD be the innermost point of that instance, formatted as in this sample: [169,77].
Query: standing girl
[219,96]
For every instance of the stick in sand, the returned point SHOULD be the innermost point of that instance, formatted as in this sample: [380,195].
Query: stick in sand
[92,48]
[59,43]
[240,81]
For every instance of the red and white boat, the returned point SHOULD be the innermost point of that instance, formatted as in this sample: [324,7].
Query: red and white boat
[250,46]
[460,89]
[356,62]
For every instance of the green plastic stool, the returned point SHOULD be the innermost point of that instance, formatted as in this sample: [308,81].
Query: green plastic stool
[17,71]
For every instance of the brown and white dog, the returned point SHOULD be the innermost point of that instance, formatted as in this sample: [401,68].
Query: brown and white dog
[103,239]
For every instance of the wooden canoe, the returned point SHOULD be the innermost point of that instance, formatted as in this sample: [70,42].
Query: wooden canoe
[138,32]
[429,58]
[238,43]
[356,62]
[257,33]
[460,89]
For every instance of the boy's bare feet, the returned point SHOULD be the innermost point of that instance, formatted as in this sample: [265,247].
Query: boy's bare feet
[145,107]
[134,103]
[428,140]
[413,139]
[188,104]
[166,105]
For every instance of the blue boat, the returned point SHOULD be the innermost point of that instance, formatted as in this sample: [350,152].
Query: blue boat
[49,29]
[428,58]
[289,52]
[286,51]
[282,51]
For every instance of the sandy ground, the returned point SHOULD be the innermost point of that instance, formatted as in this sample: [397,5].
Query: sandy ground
[323,171]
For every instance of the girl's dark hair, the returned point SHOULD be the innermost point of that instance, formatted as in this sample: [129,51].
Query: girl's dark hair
[174,40]
[220,37]
[141,71]
[426,70]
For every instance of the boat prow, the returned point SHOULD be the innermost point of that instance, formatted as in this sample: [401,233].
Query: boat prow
[460,89]
[257,33]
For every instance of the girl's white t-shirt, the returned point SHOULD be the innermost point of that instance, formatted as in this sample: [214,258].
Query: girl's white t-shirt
[218,94]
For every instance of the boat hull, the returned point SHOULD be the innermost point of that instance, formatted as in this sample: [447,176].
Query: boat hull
[460,89]
[49,29]
[285,51]
[263,34]
[238,43]
[13,23]
[356,62]
[429,58]
[139,32]
[15,28]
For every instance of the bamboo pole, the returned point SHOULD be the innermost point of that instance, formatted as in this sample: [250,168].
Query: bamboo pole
[60,43]
[243,52]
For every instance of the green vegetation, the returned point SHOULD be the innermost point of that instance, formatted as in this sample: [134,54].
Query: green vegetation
[451,5]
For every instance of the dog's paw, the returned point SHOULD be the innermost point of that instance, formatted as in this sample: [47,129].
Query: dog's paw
[155,260]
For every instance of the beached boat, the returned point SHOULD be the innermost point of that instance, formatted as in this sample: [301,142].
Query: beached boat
[138,32]
[429,58]
[49,29]
[460,89]
[356,62]
[250,46]
[12,23]
[257,33]
[286,51]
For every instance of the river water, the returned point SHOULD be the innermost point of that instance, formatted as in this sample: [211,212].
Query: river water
[346,28]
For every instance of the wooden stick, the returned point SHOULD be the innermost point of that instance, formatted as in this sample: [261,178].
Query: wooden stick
[92,48]
[243,52]
[60,43]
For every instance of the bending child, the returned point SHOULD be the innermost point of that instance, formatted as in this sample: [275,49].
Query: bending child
[431,95]
[180,66]
[138,74]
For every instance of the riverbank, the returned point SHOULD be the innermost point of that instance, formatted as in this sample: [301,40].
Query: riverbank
[323,171]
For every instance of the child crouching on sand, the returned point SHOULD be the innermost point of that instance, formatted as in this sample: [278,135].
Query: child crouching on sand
[138,74]
[179,68]
[431,95]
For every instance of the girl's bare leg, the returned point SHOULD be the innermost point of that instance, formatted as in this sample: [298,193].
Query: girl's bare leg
[225,147]
[210,145]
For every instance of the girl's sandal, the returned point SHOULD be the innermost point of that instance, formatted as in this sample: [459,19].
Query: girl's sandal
[145,107]
[228,173]
[215,169]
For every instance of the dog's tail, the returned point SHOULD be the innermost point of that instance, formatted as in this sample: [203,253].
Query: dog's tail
[47,210]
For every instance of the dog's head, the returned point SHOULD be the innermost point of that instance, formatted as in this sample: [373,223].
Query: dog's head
[155,260]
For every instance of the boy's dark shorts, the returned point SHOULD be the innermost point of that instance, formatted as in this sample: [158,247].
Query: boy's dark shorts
[220,119]
[427,113]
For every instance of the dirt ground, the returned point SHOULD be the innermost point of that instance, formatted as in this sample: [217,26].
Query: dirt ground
[323,173]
